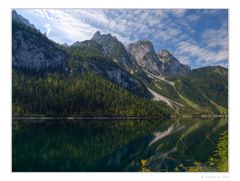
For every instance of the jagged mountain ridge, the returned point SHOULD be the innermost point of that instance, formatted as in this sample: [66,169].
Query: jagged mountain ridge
[32,50]
[136,68]
[171,66]
[19,19]
[144,54]
[162,64]
[135,55]
[116,50]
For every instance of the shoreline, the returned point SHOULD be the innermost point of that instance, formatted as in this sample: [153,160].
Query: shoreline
[15,118]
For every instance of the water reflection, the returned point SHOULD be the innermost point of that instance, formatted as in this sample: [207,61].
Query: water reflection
[171,129]
[112,145]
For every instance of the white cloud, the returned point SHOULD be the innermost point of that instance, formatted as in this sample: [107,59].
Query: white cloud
[184,59]
[178,12]
[61,22]
[216,37]
[81,24]
[48,28]
[174,28]
[193,17]
[203,56]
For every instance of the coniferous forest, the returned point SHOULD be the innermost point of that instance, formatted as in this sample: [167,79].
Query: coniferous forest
[103,105]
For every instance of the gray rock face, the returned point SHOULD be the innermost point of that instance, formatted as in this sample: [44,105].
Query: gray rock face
[115,50]
[116,74]
[31,50]
[123,79]
[76,44]
[19,19]
[65,45]
[171,66]
[161,64]
[165,56]
[144,54]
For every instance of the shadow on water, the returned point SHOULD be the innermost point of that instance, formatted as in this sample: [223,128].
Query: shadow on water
[112,145]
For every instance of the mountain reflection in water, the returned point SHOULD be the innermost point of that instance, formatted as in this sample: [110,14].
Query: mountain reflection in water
[113,145]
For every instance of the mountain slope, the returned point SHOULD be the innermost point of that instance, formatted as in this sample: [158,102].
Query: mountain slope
[144,53]
[161,64]
[115,49]
[202,90]
[21,20]
[171,66]
[88,56]
[138,77]
[33,51]
[206,86]
[81,95]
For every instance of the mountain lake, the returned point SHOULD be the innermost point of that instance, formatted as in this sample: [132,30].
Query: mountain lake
[113,145]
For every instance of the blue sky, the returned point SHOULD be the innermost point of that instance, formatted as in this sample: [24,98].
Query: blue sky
[196,37]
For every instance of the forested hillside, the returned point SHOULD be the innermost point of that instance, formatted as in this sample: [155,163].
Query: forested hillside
[85,95]
[101,77]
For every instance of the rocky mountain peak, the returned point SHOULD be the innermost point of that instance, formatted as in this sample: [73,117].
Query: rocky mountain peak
[142,47]
[19,19]
[114,49]
[144,53]
[166,57]
[164,53]
[171,65]
[65,45]
[103,37]
[27,54]
[96,35]
[76,43]
[162,63]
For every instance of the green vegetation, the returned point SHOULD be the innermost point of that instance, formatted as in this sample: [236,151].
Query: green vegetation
[113,145]
[144,166]
[220,156]
[86,145]
[99,78]
[82,86]
[166,90]
[207,87]
[85,49]
[87,95]
[202,90]
[217,162]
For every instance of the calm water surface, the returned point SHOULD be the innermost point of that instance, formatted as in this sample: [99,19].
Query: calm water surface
[112,145]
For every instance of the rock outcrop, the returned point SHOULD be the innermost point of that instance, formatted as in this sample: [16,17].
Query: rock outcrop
[115,50]
[162,64]
[171,66]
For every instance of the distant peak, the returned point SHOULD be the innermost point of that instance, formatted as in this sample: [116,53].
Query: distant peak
[14,12]
[20,19]
[145,41]
[142,44]
[76,43]
[164,52]
[97,34]
[65,45]
[166,56]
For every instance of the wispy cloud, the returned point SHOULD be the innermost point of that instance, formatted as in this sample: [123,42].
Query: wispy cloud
[194,36]
[48,29]
[201,55]
[216,38]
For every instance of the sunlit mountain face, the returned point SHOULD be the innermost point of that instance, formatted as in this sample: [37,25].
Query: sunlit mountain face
[197,37]
[119,90]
